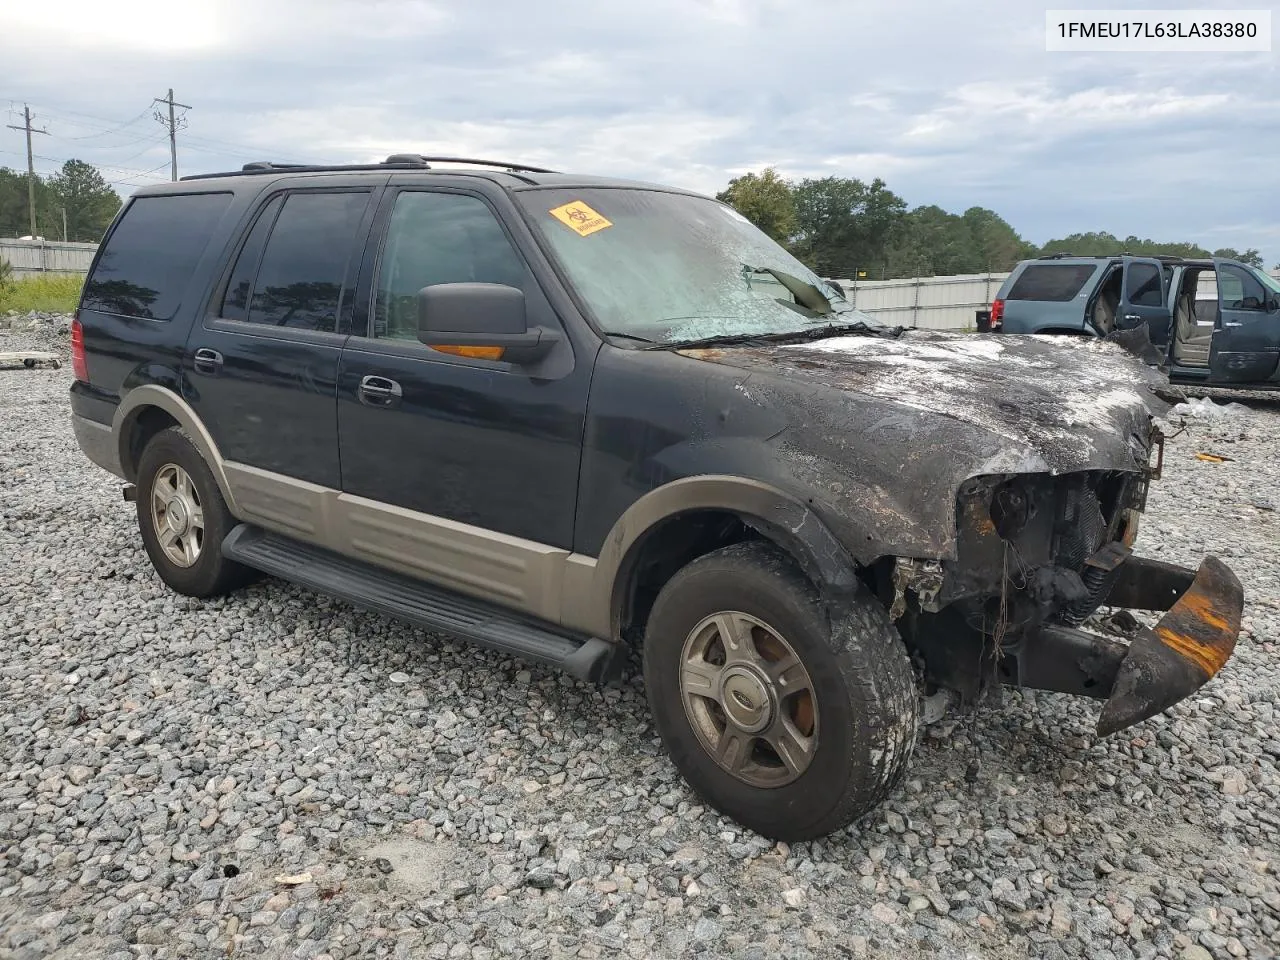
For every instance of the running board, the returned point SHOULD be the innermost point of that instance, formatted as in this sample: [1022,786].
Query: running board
[431,608]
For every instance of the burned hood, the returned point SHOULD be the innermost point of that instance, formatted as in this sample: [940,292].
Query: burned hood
[879,431]
[1061,404]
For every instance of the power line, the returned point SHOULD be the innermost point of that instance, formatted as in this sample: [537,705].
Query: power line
[132,181]
[96,166]
[31,167]
[173,130]
[101,132]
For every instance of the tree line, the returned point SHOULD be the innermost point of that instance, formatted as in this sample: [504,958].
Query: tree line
[845,228]
[78,189]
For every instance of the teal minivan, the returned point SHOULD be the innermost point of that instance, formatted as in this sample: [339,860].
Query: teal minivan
[1215,322]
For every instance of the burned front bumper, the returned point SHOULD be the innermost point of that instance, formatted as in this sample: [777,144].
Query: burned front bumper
[1159,665]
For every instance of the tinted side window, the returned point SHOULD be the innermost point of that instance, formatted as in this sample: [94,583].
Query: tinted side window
[1240,290]
[235,302]
[304,268]
[438,238]
[150,255]
[1051,281]
[1145,289]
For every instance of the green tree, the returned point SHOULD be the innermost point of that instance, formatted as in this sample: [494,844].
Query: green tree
[928,241]
[999,247]
[766,200]
[15,221]
[87,198]
[843,224]
[1109,245]
[1251,256]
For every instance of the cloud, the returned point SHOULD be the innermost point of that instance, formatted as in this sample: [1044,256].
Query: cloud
[949,105]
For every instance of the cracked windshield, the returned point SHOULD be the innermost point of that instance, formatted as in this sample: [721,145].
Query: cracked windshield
[666,267]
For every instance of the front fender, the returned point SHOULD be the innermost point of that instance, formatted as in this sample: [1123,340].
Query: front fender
[780,517]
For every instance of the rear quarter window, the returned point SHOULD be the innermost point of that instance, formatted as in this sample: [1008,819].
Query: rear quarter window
[150,255]
[1051,281]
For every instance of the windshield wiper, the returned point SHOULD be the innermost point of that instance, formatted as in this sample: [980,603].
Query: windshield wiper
[629,336]
[793,336]
[806,294]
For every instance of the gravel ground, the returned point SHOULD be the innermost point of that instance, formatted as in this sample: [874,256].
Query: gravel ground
[278,775]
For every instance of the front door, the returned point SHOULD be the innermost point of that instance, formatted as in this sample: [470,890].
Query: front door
[1246,338]
[460,469]
[1143,301]
[261,369]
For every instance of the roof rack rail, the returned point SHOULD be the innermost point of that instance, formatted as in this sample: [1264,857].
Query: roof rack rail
[424,160]
[269,165]
[1055,256]
[397,161]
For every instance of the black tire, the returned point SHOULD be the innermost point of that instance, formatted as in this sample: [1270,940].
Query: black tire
[211,574]
[861,677]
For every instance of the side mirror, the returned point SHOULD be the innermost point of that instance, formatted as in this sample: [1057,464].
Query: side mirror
[484,321]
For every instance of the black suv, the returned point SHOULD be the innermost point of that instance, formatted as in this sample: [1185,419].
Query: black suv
[560,416]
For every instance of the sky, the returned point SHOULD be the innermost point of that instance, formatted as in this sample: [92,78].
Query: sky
[957,105]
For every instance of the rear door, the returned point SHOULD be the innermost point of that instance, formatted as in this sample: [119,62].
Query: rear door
[261,368]
[1246,338]
[1143,299]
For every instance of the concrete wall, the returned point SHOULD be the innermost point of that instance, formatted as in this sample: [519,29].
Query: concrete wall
[47,256]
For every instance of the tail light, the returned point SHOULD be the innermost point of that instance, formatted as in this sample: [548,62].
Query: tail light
[78,365]
[997,315]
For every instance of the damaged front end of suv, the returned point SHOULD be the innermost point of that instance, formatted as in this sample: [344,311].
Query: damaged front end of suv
[1036,556]
[990,492]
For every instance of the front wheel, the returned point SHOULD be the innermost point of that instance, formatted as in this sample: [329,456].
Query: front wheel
[789,723]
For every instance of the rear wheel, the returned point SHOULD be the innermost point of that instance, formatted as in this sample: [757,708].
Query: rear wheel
[183,518]
[789,723]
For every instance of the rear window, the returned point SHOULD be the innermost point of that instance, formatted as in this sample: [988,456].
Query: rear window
[151,254]
[1051,281]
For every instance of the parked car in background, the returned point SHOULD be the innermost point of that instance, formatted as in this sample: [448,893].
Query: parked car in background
[1215,322]
[560,416]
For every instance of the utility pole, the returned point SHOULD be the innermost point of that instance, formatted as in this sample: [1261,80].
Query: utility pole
[172,123]
[64,224]
[31,165]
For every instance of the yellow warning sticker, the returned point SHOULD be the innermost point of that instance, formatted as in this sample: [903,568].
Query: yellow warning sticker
[580,218]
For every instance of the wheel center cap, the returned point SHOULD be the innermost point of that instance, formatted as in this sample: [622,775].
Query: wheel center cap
[745,699]
[175,514]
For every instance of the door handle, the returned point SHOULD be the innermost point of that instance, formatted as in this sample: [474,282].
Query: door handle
[379,392]
[1232,323]
[1131,316]
[207,361]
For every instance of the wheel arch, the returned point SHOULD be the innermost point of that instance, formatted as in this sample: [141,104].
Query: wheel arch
[146,410]
[761,511]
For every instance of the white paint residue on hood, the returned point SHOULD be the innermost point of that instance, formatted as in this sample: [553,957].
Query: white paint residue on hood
[1082,384]
[1087,407]
[906,351]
